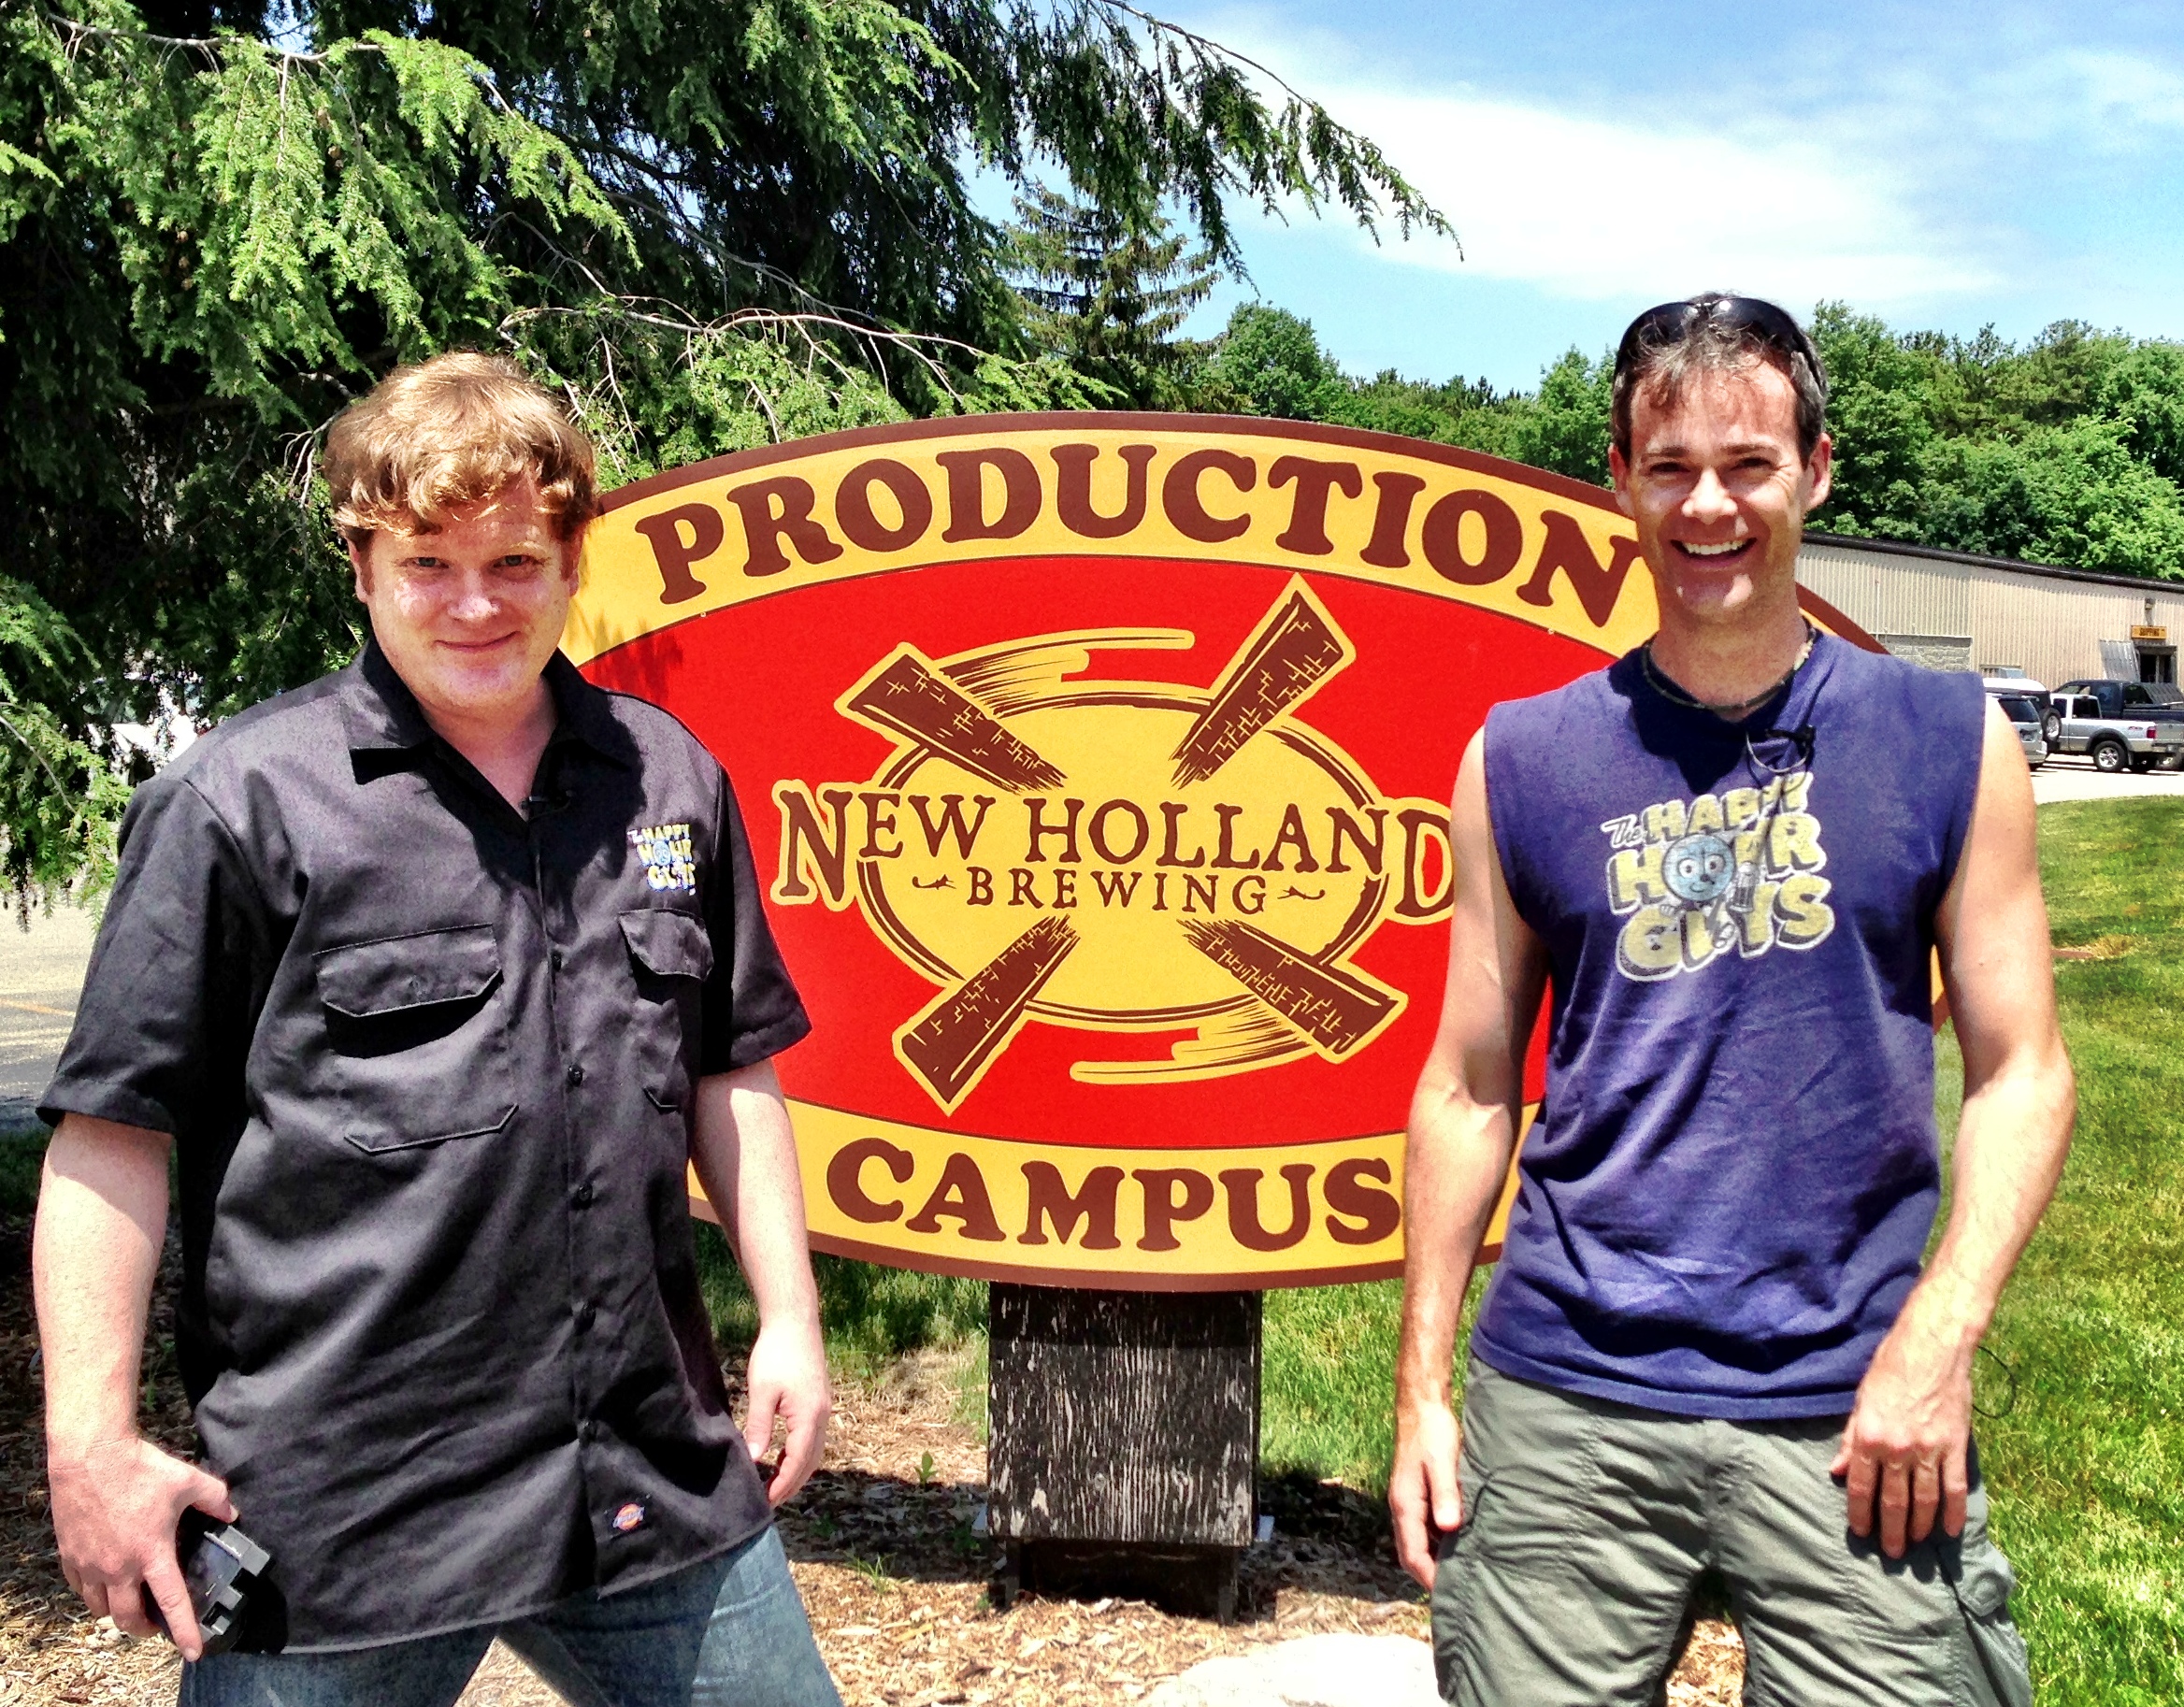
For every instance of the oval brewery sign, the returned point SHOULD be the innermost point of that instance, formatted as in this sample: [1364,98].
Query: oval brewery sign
[1097,768]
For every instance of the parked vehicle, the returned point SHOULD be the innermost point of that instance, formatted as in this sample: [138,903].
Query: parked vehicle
[2119,726]
[2131,698]
[2022,685]
[2028,721]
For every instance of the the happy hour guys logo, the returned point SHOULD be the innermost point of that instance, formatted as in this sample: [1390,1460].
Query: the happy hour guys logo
[1119,856]
[1736,872]
[664,850]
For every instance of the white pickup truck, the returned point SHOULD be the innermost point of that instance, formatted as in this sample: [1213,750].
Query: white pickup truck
[2119,726]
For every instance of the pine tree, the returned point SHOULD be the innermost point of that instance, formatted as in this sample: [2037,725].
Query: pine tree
[709,222]
[1109,295]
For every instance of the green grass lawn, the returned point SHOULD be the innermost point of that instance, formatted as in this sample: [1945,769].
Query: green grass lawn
[872,1316]
[2088,1468]
[2085,1462]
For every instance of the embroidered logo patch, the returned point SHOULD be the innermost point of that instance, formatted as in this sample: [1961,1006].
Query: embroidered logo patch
[628,1517]
[665,847]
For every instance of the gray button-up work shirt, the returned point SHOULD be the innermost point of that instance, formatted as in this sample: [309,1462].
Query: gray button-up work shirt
[429,1063]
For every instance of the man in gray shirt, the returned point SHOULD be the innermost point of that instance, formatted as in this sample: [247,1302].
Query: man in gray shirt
[432,978]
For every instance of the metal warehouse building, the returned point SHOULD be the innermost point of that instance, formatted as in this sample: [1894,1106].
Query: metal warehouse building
[1951,611]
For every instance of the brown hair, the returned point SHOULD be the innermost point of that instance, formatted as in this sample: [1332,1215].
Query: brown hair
[452,431]
[1716,333]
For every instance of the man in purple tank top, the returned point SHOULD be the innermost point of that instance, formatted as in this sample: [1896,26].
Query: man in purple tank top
[1712,1343]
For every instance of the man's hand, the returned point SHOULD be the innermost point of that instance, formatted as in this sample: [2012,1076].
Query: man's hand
[1909,1437]
[788,1385]
[1423,1489]
[115,1508]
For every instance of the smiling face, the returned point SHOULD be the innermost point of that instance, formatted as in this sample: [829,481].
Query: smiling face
[469,613]
[1719,493]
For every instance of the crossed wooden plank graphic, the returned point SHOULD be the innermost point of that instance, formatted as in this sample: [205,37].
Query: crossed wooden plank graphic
[950,1042]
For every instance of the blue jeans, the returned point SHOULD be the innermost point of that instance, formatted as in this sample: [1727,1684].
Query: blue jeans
[729,1632]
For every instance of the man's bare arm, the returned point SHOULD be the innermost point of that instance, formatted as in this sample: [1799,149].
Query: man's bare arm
[1906,1444]
[745,1154]
[116,1498]
[1463,1131]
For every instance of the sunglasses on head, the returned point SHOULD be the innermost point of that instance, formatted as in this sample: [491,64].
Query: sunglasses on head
[1671,321]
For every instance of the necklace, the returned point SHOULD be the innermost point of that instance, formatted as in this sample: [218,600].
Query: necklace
[1736,708]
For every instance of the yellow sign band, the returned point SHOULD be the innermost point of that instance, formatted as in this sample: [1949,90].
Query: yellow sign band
[1399,513]
[1169,1220]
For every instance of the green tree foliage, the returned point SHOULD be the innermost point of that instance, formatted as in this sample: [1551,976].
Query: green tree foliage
[1876,415]
[1268,362]
[1461,412]
[2143,391]
[2072,495]
[57,786]
[1108,298]
[1272,362]
[2067,450]
[1565,426]
[710,223]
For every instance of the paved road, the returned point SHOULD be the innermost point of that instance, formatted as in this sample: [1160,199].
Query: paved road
[2076,779]
[41,972]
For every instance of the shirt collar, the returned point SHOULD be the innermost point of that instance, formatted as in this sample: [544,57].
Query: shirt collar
[381,711]
[383,714]
[584,714]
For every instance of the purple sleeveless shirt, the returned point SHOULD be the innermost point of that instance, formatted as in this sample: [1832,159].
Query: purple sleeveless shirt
[1725,1199]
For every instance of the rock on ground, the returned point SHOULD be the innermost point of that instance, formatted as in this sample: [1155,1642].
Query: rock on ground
[1331,1671]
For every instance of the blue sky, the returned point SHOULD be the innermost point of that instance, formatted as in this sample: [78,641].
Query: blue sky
[1942,165]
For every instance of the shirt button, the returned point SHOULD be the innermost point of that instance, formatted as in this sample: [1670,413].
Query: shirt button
[583,1196]
[587,1430]
[585,1316]
[576,1075]
[556,958]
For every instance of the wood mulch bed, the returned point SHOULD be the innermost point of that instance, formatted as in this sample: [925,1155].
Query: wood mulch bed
[883,1544]
[49,1650]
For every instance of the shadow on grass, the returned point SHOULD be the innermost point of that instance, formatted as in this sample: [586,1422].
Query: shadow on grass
[1328,1540]
[22,1154]
[872,1316]
[886,1528]
[1307,1507]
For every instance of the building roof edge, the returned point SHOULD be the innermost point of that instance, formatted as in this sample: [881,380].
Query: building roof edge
[1899,548]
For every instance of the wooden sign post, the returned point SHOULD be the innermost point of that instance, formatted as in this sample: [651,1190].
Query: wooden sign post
[1123,1456]
[1097,767]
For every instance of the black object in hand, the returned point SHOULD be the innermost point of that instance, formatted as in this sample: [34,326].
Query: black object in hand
[220,1565]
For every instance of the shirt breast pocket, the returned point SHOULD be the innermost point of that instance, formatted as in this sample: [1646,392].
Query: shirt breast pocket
[671,957]
[417,1030]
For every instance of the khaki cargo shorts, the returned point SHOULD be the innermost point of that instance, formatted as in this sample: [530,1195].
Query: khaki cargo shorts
[1587,1524]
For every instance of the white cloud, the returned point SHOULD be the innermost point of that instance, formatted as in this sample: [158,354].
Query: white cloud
[2078,103]
[1642,205]
[2118,91]
[1596,209]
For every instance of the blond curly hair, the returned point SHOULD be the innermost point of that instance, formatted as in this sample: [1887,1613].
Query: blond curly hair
[454,430]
